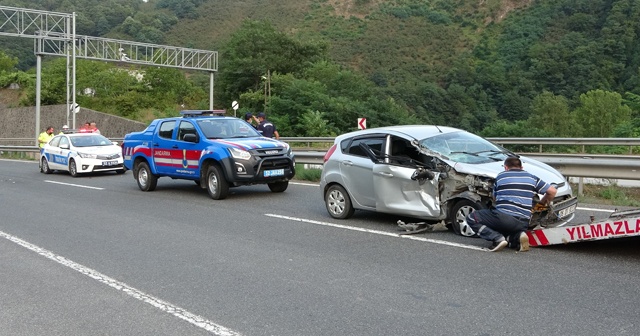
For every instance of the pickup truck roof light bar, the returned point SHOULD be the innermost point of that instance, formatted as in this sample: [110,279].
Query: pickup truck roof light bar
[202,113]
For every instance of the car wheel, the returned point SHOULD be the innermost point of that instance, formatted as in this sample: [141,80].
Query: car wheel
[459,214]
[278,186]
[338,202]
[73,169]
[217,186]
[146,180]
[44,166]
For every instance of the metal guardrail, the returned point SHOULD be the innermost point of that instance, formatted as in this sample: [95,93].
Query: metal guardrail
[626,167]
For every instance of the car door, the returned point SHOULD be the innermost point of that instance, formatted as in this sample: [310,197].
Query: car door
[187,153]
[357,169]
[161,149]
[395,192]
[52,153]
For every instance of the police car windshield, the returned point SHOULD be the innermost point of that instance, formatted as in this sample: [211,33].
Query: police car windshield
[90,141]
[215,128]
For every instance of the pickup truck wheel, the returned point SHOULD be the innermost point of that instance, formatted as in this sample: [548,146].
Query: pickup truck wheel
[338,202]
[278,186]
[217,186]
[459,214]
[146,180]
[44,166]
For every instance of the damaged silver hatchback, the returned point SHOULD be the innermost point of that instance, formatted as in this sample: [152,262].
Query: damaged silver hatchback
[432,173]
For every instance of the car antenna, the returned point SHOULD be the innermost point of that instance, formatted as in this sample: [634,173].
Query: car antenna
[439,130]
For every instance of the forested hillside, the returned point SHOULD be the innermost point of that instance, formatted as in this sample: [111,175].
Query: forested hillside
[500,67]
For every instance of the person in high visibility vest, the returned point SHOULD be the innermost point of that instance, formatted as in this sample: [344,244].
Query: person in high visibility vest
[45,136]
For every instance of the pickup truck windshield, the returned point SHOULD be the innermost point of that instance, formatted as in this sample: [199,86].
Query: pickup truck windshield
[215,128]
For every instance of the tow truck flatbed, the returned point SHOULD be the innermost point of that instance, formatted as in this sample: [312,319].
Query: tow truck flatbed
[619,224]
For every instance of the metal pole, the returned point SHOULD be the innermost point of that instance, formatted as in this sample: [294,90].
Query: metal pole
[68,101]
[38,84]
[73,85]
[211,90]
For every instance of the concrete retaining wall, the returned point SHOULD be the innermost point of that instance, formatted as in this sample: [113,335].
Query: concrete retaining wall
[20,122]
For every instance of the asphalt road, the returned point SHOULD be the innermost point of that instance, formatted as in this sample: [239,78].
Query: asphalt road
[96,256]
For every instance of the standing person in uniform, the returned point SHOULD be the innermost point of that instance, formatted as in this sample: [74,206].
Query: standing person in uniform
[513,193]
[45,136]
[268,128]
[65,128]
[94,127]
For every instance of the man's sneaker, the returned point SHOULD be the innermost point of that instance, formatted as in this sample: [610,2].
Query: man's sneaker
[524,242]
[498,245]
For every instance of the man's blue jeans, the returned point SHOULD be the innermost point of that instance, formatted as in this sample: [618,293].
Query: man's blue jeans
[493,225]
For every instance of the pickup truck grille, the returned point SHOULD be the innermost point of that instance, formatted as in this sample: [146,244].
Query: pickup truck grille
[269,152]
[275,163]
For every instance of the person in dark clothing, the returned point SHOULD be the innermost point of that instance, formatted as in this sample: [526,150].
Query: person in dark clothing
[268,128]
[249,118]
[513,192]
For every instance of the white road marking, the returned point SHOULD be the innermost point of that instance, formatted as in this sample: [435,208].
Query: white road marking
[305,184]
[592,209]
[383,233]
[164,306]
[74,185]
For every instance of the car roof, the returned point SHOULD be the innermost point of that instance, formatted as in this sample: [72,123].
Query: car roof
[414,131]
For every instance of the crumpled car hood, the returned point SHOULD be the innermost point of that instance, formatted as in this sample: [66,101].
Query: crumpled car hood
[491,169]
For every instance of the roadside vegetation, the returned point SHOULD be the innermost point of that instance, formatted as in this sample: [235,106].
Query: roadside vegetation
[548,68]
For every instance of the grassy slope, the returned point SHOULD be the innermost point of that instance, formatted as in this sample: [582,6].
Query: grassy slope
[363,36]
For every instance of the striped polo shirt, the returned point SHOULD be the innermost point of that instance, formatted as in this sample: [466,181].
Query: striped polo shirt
[514,190]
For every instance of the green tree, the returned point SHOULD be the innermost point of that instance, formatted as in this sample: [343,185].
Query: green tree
[551,114]
[254,49]
[600,112]
[7,63]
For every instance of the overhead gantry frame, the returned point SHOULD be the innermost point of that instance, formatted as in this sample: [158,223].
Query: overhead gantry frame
[55,35]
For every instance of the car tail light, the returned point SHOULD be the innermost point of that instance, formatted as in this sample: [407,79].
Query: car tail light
[329,152]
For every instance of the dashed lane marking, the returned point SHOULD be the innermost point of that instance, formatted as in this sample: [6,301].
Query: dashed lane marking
[164,306]
[378,232]
[74,185]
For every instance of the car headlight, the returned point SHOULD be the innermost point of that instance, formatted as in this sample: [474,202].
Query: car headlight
[239,154]
[87,156]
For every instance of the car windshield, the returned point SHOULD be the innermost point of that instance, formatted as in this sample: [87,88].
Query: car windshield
[214,128]
[90,140]
[464,147]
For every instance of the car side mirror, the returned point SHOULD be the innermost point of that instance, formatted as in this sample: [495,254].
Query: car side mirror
[65,146]
[190,137]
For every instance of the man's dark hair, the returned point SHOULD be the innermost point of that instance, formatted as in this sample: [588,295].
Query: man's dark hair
[513,162]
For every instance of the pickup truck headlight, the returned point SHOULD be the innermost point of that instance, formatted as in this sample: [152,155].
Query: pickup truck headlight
[239,153]
[87,156]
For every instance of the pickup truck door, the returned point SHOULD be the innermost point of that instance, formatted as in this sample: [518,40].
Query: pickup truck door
[172,155]
[161,147]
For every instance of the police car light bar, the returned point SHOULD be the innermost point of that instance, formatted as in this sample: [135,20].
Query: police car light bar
[201,113]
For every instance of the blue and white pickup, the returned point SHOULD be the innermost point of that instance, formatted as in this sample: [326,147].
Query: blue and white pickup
[215,151]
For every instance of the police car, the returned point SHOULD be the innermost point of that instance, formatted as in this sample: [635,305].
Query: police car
[78,153]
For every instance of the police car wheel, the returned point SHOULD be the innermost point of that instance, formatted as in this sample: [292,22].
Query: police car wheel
[459,214]
[146,180]
[73,169]
[278,186]
[44,166]
[217,186]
